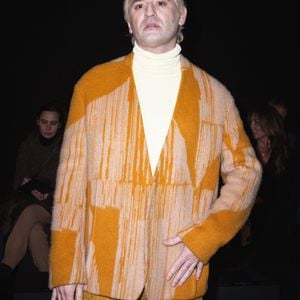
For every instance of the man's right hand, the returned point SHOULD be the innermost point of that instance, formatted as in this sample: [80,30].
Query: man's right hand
[68,292]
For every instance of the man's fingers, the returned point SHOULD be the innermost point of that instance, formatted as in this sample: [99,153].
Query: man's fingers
[64,292]
[185,264]
[53,295]
[181,266]
[199,270]
[68,292]
[176,266]
[173,241]
[182,260]
[79,292]
[183,274]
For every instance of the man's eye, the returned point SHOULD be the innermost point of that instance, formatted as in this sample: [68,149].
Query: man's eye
[138,6]
[162,3]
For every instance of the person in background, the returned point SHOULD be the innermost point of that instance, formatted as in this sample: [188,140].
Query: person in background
[282,107]
[137,199]
[267,233]
[280,104]
[34,183]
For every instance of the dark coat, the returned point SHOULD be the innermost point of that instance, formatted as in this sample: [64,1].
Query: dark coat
[38,159]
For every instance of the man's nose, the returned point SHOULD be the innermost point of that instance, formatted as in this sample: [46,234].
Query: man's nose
[150,10]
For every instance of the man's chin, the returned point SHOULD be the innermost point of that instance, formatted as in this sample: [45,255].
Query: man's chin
[152,40]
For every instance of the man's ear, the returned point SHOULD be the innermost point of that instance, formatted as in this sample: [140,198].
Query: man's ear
[183,14]
[129,28]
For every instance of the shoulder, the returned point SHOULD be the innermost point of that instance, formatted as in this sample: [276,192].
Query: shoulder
[103,79]
[30,141]
[207,82]
[113,72]
[203,75]
[28,146]
[97,83]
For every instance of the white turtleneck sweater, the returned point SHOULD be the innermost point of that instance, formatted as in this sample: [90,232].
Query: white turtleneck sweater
[157,79]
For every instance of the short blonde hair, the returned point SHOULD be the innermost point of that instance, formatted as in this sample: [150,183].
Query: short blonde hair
[180,4]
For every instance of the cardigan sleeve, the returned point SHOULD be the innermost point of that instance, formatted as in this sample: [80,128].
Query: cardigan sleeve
[241,175]
[67,252]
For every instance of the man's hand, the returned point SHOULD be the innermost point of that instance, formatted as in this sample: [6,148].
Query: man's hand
[184,266]
[68,292]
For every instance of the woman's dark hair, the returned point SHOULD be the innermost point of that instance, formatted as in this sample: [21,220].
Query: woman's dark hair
[273,124]
[278,100]
[53,106]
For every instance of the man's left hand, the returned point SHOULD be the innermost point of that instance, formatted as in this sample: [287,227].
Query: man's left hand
[184,266]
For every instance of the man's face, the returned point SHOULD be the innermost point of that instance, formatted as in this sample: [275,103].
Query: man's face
[154,23]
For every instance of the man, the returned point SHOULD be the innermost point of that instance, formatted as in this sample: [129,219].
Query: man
[137,213]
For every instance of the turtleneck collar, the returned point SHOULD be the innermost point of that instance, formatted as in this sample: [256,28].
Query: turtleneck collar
[47,142]
[156,64]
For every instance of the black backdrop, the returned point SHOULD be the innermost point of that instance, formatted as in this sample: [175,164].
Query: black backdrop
[248,45]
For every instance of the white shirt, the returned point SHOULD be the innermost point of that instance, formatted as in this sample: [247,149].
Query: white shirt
[157,79]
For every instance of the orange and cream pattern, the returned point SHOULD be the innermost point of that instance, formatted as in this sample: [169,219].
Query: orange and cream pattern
[111,214]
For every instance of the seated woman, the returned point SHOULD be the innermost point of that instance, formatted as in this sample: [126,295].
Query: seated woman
[34,183]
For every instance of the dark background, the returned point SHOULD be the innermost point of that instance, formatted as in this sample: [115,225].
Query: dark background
[250,46]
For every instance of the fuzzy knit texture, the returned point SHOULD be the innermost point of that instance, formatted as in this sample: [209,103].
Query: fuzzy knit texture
[111,214]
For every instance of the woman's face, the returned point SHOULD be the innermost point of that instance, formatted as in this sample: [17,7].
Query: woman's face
[48,124]
[256,128]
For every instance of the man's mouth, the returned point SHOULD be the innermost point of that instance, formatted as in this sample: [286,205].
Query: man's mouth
[151,25]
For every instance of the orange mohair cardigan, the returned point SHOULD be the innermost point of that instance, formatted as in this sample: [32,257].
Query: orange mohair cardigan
[111,215]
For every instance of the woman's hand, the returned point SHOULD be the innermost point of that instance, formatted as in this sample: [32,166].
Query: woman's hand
[25,180]
[38,195]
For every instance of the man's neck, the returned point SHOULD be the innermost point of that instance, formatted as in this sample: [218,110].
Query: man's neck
[158,49]
[164,64]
